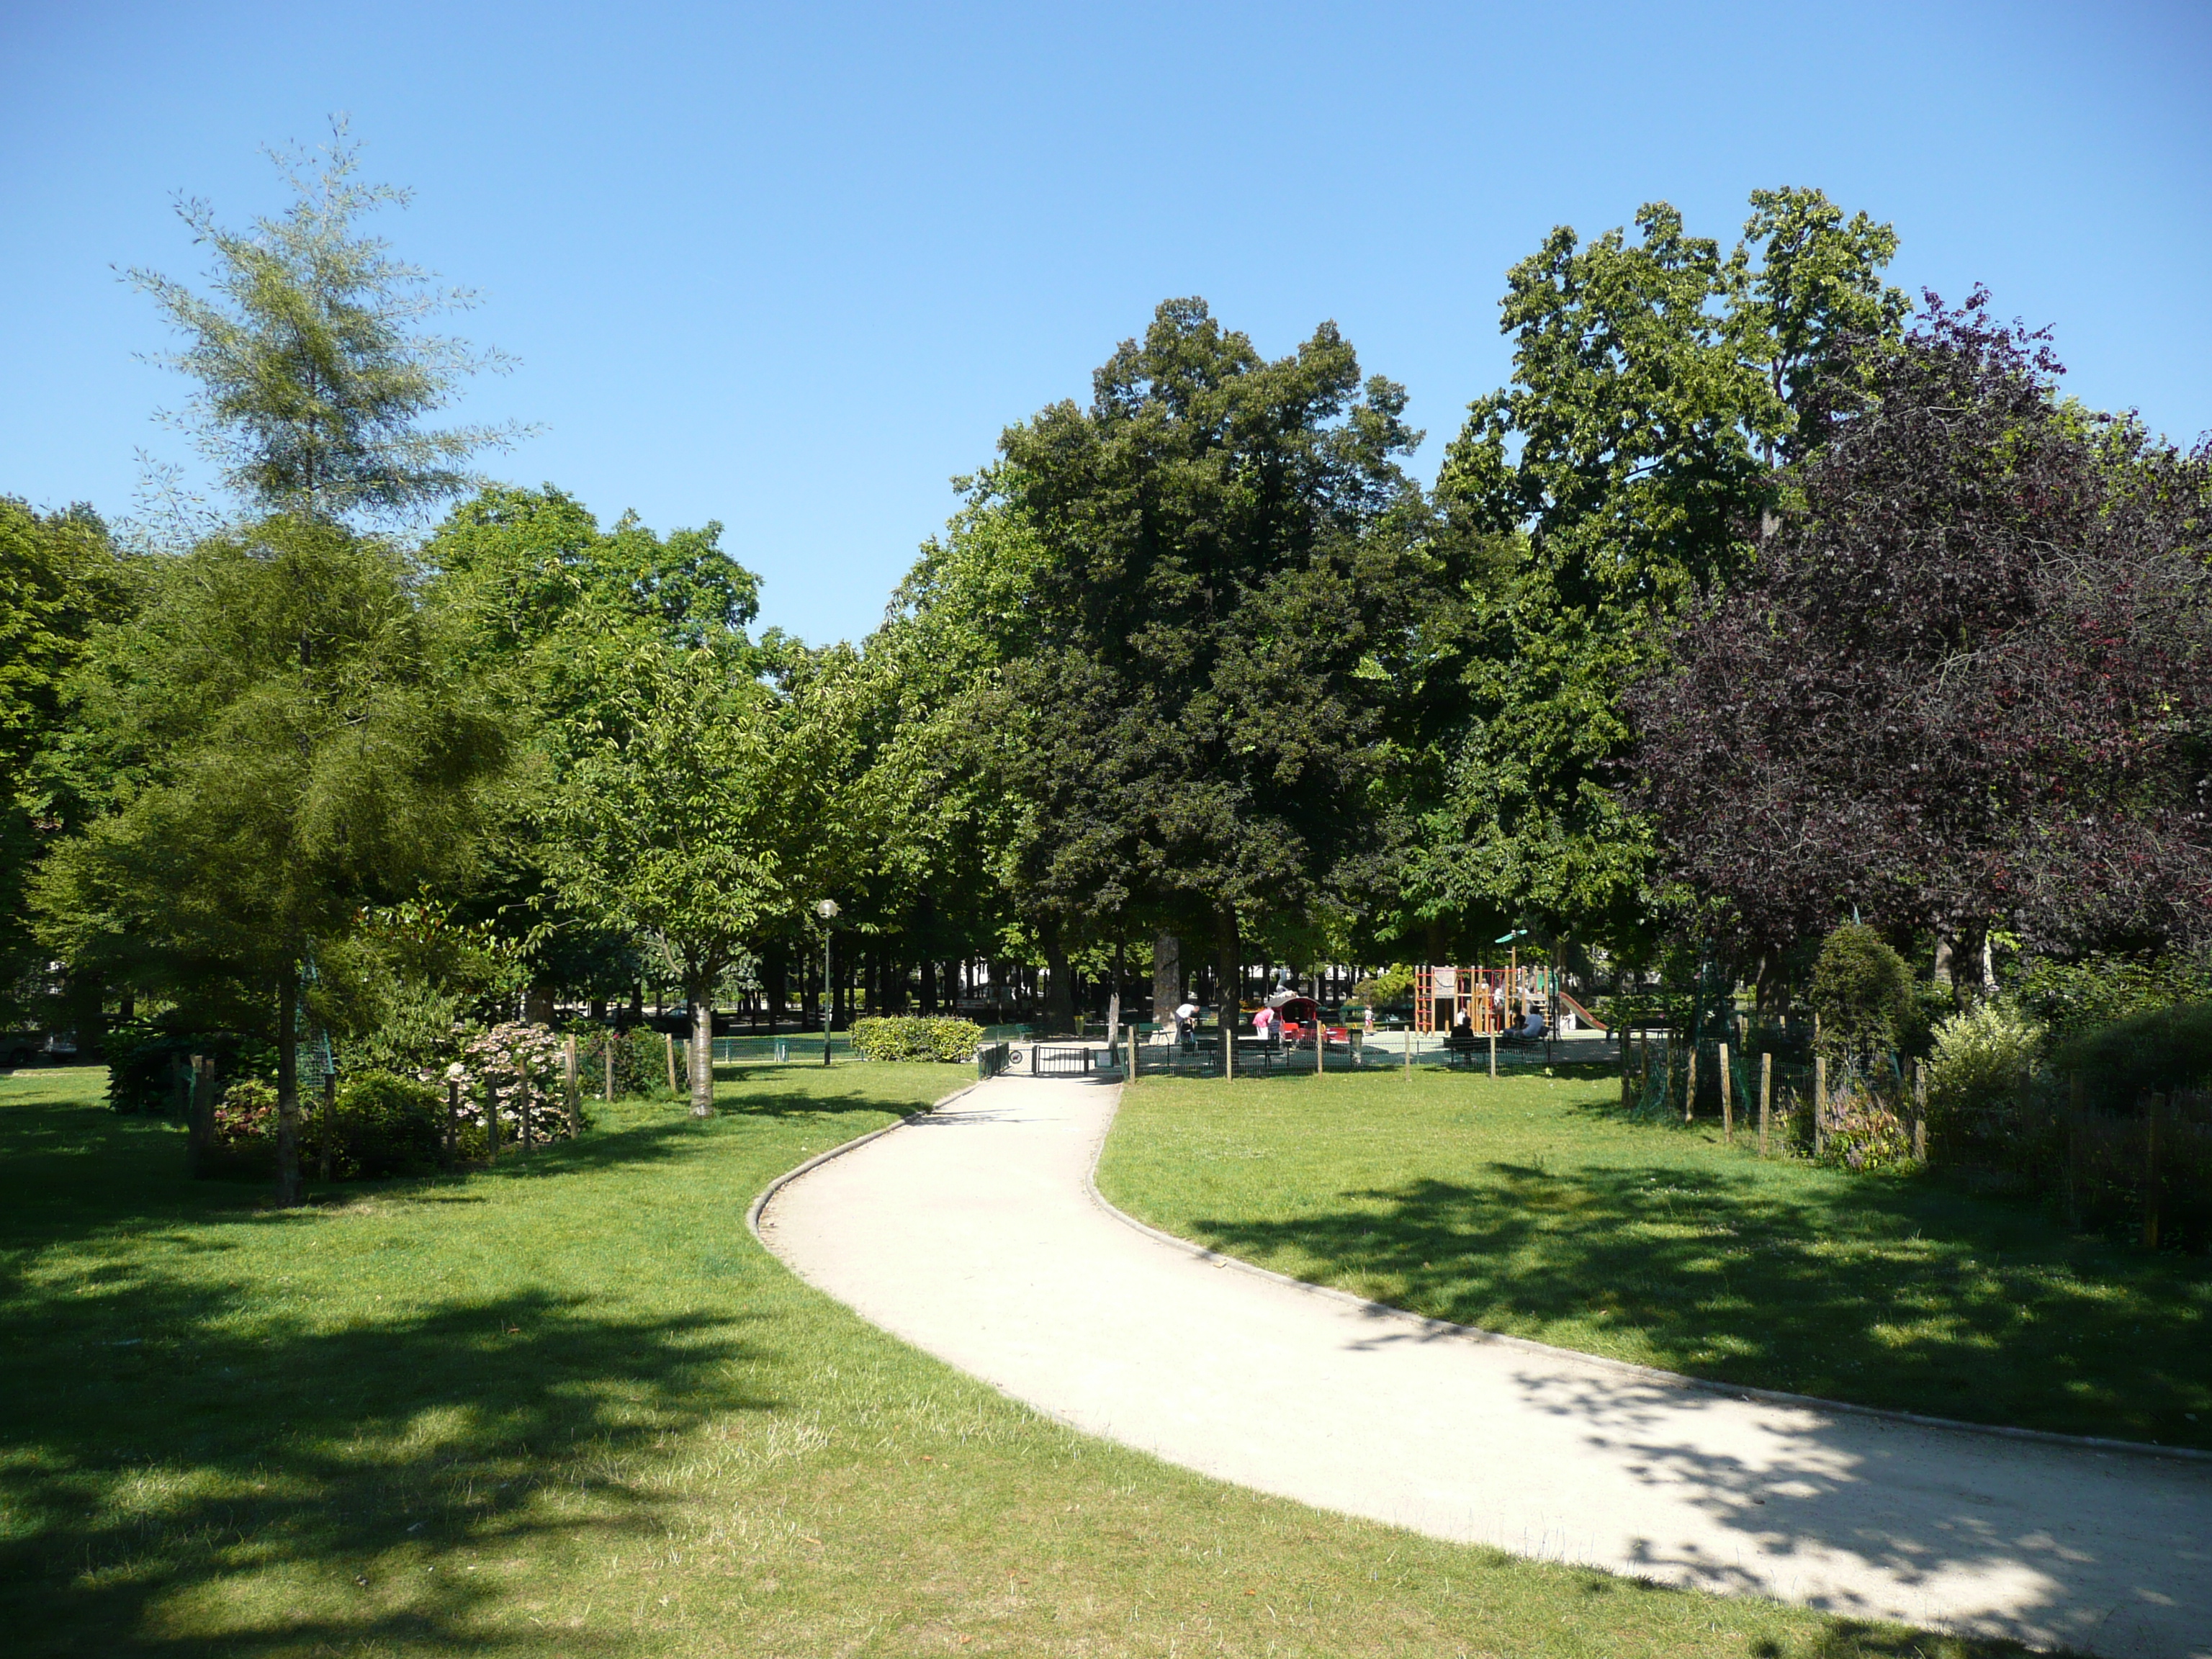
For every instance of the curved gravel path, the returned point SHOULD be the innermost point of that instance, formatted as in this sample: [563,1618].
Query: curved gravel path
[975,1234]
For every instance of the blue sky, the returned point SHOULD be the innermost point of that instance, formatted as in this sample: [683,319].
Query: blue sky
[794,267]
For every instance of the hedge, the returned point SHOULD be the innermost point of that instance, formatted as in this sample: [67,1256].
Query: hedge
[915,1037]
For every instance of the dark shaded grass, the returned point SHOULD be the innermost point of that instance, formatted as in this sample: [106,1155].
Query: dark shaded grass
[1532,1206]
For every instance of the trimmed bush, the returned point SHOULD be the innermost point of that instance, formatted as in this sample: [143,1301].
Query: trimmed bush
[1863,991]
[2155,1052]
[915,1037]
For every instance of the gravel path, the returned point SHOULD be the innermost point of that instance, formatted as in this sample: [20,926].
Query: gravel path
[975,1234]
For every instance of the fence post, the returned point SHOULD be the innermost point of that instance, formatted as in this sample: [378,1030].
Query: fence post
[2074,1093]
[1409,1051]
[1766,1096]
[329,1120]
[453,1119]
[491,1119]
[1919,1111]
[1728,1101]
[670,1041]
[1820,1098]
[2155,1107]
[573,1085]
[607,1057]
[201,1138]
[1627,1061]
[522,1104]
[1690,1092]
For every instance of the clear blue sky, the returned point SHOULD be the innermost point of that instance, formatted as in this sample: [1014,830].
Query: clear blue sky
[794,267]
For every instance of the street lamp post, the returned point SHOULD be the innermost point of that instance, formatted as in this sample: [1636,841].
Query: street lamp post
[826,910]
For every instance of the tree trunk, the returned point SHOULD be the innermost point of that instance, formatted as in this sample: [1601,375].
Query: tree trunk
[1167,977]
[1229,987]
[775,967]
[1961,956]
[287,1089]
[703,1050]
[1060,985]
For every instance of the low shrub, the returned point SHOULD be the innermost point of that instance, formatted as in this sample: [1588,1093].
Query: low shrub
[384,1125]
[915,1037]
[245,1112]
[1979,1063]
[2155,1052]
[242,1139]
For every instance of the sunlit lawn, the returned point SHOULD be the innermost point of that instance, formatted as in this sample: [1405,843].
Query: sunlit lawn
[1533,1206]
[571,1408]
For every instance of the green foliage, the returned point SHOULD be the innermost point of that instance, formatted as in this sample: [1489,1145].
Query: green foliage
[2075,997]
[1657,384]
[915,1037]
[384,1125]
[144,1062]
[59,581]
[693,814]
[1863,991]
[2152,1053]
[1223,591]
[1393,985]
[1983,1057]
[297,747]
[311,379]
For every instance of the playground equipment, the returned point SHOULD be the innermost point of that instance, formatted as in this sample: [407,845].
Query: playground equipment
[1491,999]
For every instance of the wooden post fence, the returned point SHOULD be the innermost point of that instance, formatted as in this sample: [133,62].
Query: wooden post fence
[1819,1099]
[573,1085]
[1690,1092]
[1919,1111]
[2153,1110]
[1728,1101]
[1765,1096]
[330,1119]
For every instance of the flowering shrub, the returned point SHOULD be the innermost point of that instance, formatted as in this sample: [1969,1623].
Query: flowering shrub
[521,1065]
[1862,1133]
[915,1037]
[246,1113]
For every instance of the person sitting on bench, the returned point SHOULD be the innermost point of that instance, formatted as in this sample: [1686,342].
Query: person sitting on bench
[1459,1042]
[1530,1029]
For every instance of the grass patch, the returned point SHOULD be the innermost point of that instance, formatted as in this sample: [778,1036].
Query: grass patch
[569,1407]
[1532,1206]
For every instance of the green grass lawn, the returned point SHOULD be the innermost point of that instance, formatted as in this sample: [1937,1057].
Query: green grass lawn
[570,1408]
[1532,1206]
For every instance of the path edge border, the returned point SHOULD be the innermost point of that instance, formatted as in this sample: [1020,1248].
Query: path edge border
[761,1200]
[1676,1380]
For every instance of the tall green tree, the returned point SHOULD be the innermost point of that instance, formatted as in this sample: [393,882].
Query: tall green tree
[1661,386]
[313,378]
[299,746]
[60,580]
[692,812]
[1231,571]
[537,595]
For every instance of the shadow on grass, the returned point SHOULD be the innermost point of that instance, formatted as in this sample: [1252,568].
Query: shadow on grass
[190,1465]
[1888,1293]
